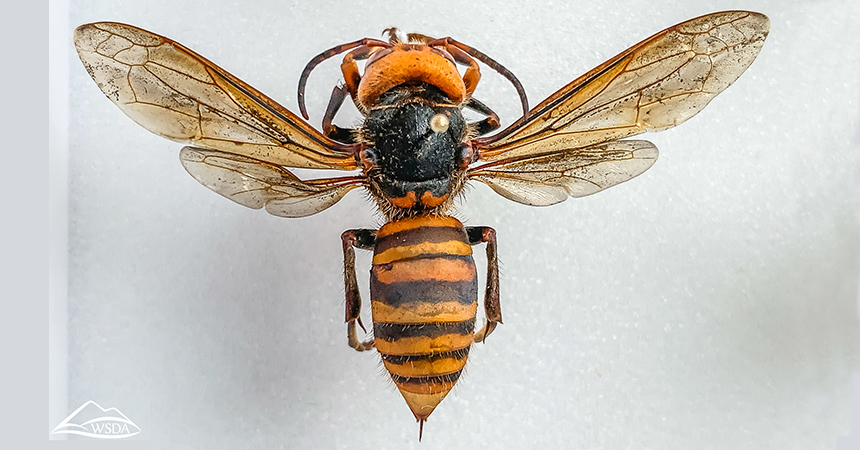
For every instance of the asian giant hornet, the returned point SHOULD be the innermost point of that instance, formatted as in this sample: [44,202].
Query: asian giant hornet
[414,153]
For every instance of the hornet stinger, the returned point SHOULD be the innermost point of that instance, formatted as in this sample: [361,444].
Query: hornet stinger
[414,152]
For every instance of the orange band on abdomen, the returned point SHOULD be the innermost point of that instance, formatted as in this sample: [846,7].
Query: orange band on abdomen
[423,311]
[438,269]
[457,248]
[411,223]
[424,345]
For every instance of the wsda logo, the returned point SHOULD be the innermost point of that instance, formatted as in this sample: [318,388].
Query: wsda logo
[91,420]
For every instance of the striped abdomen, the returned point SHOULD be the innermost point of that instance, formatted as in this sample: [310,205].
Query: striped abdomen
[424,292]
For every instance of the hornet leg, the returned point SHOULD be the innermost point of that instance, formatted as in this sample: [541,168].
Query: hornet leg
[492,308]
[482,127]
[473,73]
[331,130]
[487,125]
[351,76]
[448,42]
[363,239]
[303,79]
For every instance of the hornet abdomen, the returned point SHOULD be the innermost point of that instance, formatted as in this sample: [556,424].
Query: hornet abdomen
[424,292]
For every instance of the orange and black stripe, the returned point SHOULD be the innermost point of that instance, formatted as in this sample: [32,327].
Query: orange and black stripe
[424,291]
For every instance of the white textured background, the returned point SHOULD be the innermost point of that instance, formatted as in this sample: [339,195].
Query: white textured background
[711,303]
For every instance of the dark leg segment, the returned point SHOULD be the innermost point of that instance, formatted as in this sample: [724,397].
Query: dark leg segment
[447,42]
[492,307]
[487,125]
[363,239]
[303,79]
[345,135]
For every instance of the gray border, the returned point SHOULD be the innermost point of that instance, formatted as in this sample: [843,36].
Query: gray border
[24,329]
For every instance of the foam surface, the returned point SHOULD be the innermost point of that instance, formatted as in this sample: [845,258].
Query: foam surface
[709,303]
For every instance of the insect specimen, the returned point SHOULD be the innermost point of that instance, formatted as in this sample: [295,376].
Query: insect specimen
[415,151]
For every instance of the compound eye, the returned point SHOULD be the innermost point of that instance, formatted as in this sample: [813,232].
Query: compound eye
[439,123]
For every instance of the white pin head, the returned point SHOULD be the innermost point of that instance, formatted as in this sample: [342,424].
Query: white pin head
[439,123]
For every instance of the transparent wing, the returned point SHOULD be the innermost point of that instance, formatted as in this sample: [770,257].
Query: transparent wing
[550,178]
[657,84]
[176,93]
[255,184]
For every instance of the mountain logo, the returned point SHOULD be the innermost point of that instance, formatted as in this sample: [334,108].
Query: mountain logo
[91,420]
